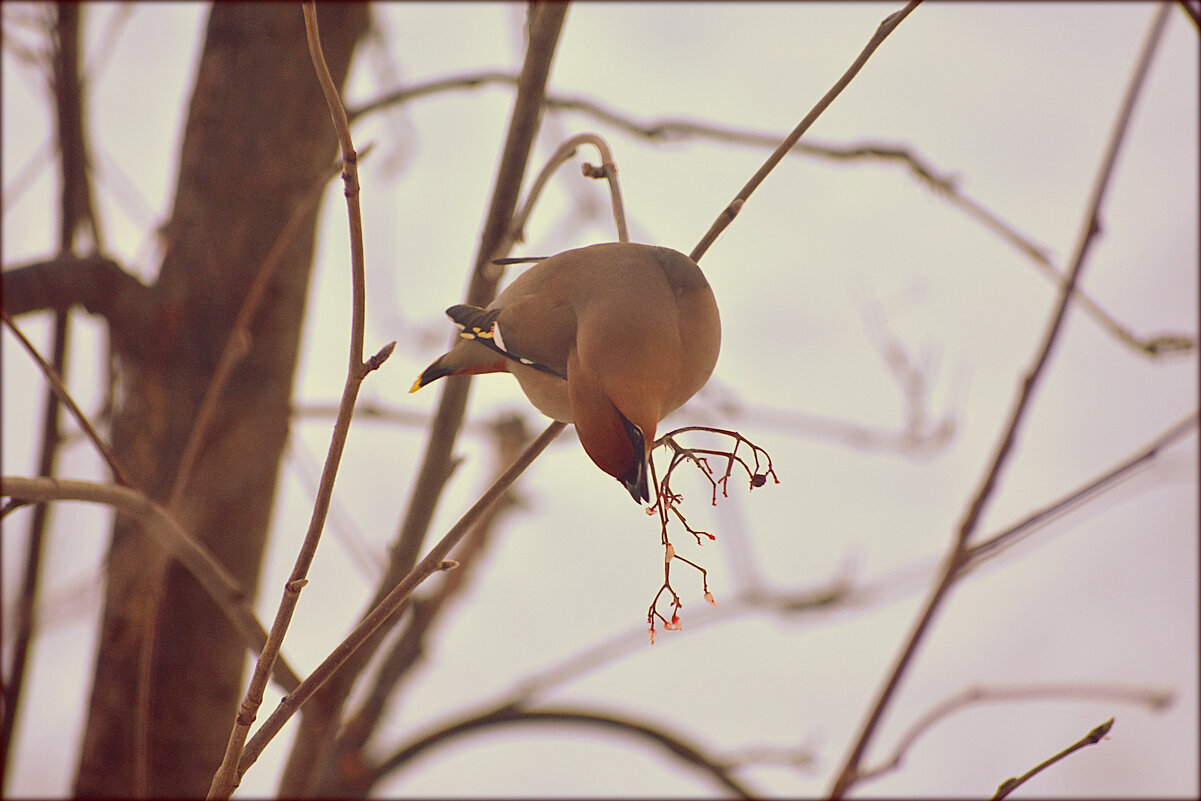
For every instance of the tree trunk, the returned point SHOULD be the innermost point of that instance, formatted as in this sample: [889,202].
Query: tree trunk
[258,140]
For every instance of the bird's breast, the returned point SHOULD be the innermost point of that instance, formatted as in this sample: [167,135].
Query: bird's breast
[548,393]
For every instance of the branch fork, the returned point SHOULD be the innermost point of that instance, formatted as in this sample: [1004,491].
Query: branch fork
[667,505]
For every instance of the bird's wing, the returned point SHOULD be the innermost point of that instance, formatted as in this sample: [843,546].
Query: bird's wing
[513,342]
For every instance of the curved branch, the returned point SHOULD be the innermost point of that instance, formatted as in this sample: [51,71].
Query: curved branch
[686,752]
[158,522]
[1165,344]
[96,282]
[607,170]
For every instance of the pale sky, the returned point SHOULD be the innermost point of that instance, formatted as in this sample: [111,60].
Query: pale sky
[1016,101]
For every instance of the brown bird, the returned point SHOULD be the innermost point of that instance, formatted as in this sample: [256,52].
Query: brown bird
[611,337]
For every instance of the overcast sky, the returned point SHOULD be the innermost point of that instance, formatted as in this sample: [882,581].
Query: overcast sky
[828,260]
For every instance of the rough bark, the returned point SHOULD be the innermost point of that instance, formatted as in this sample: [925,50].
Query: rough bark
[258,137]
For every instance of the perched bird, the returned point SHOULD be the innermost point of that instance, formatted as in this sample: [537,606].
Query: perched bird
[611,337]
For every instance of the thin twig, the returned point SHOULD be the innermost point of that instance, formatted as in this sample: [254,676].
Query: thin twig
[727,216]
[510,437]
[565,151]
[392,603]
[432,87]
[1172,344]
[670,130]
[1092,738]
[959,551]
[56,384]
[227,776]
[1154,699]
[986,549]
[1092,226]
[25,617]
[545,24]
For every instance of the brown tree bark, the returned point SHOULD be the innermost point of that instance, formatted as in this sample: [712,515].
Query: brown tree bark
[258,139]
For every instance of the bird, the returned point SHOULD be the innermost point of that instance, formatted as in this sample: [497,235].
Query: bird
[612,337]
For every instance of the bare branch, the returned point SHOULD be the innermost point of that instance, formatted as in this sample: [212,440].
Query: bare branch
[76,210]
[986,549]
[393,602]
[943,184]
[226,779]
[545,23]
[64,395]
[886,27]
[511,437]
[76,206]
[1092,225]
[1159,345]
[1092,738]
[676,745]
[670,129]
[1154,699]
[565,151]
[433,87]
[25,619]
[94,282]
[158,522]
[959,551]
